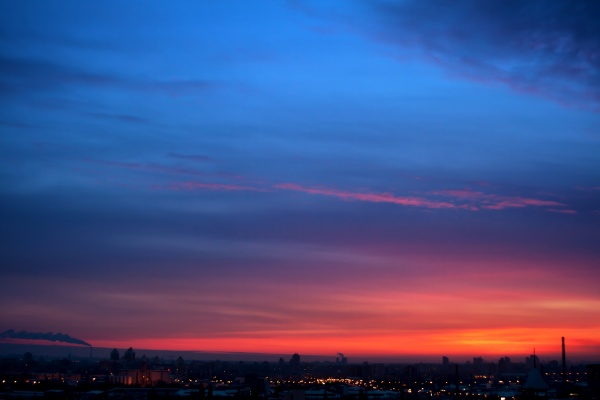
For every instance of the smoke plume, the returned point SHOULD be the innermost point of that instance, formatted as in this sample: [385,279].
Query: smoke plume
[52,337]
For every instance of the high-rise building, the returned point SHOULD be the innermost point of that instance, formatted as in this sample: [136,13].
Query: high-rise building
[295,363]
[504,365]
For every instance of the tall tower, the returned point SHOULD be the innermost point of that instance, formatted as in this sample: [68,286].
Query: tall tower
[564,361]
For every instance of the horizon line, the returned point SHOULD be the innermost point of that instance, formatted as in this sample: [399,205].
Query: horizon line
[391,359]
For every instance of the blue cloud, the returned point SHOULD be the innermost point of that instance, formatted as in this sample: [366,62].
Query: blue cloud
[544,48]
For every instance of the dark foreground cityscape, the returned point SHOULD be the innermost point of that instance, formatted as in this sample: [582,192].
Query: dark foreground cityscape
[129,376]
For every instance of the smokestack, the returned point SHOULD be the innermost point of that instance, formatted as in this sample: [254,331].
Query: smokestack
[564,361]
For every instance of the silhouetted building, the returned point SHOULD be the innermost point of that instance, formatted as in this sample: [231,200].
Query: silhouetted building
[141,378]
[295,363]
[504,365]
[114,355]
[293,395]
[129,355]
[478,365]
[446,367]
[593,378]
[535,385]
[552,366]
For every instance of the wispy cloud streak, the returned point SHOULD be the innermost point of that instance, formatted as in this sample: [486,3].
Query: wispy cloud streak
[493,201]
[369,197]
[192,157]
[25,75]
[461,199]
[195,185]
[466,199]
[148,167]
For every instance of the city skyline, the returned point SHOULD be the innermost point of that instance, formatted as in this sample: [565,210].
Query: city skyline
[367,177]
[56,349]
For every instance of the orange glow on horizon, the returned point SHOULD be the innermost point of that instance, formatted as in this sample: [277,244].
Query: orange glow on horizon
[581,344]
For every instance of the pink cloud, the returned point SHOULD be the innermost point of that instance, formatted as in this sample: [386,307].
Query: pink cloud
[562,211]
[472,200]
[193,185]
[493,201]
[459,198]
[369,197]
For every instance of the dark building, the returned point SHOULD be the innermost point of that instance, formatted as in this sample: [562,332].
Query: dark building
[295,363]
[593,379]
[535,385]
[504,365]
[129,355]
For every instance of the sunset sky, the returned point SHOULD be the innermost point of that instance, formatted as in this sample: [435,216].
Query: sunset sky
[371,177]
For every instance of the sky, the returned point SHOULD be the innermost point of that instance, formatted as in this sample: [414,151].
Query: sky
[378,178]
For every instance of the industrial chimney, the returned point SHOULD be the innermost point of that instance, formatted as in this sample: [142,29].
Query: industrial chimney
[564,361]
